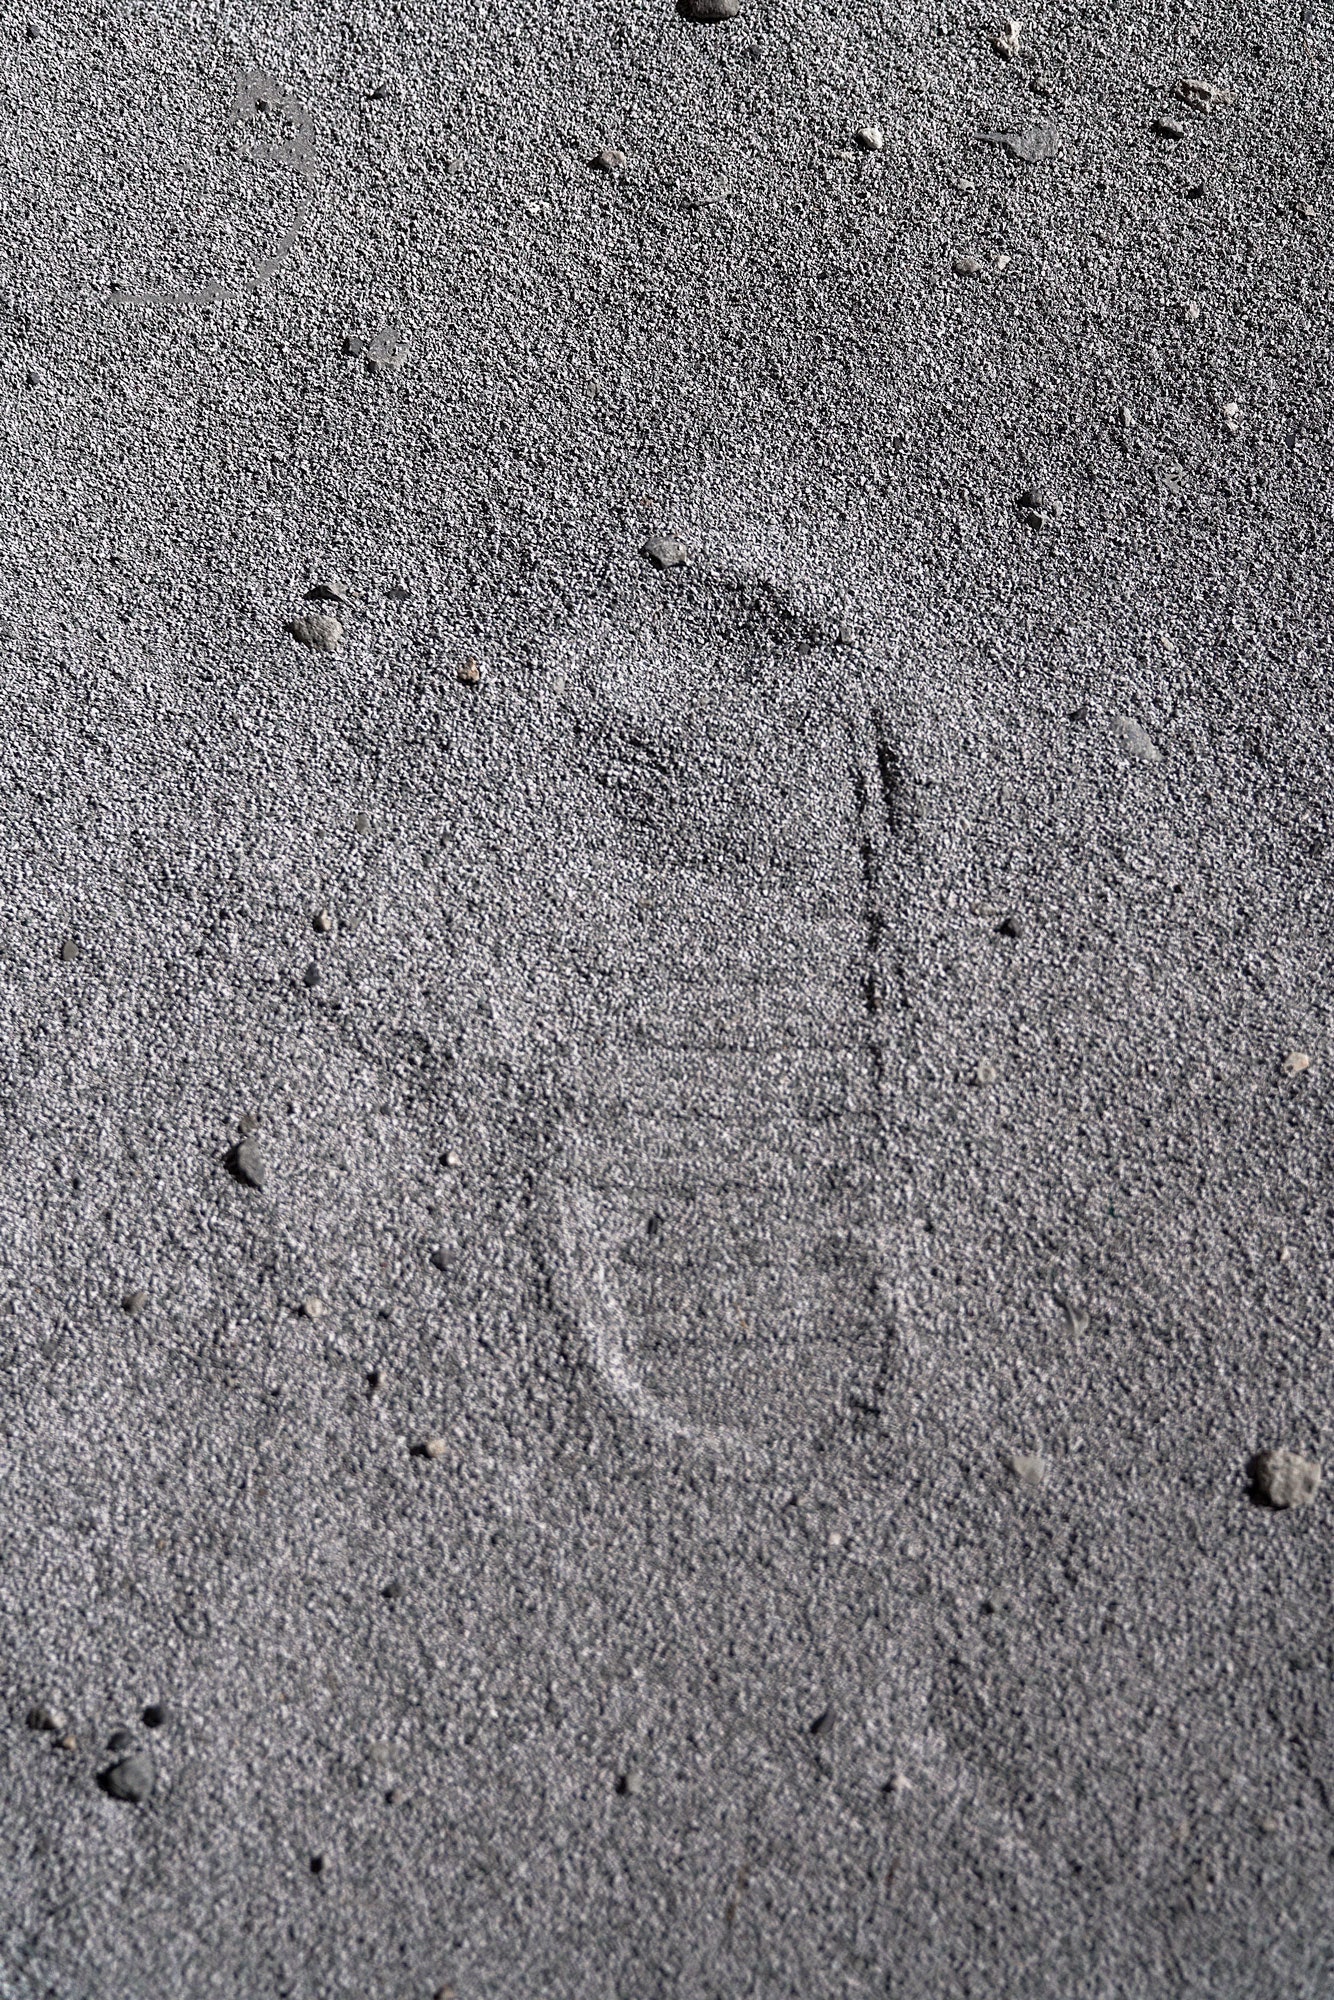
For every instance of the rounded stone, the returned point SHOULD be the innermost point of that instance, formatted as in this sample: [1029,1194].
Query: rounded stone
[247,1163]
[663,551]
[1285,1478]
[704,13]
[320,632]
[130,1780]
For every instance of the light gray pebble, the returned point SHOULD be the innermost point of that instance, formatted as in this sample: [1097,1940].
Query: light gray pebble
[664,552]
[247,1163]
[1134,741]
[49,1719]
[1285,1478]
[320,632]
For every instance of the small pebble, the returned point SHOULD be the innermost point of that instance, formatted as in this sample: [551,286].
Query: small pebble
[611,160]
[1010,927]
[1202,96]
[311,976]
[663,551]
[362,823]
[1036,510]
[705,12]
[1285,1478]
[965,265]
[69,1742]
[313,1307]
[451,1159]
[134,1303]
[332,592]
[1189,311]
[985,1073]
[49,1719]
[442,1260]
[69,950]
[353,347]
[320,632]
[470,673]
[630,1784]
[324,923]
[248,1123]
[130,1780]
[1295,1061]
[1134,741]
[1168,128]
[155,1716]
[1028,1467]
[871,139]
[120,1740]
[398,593]
[1031,143]
[1006,43]
[434,1448]
[247,1163]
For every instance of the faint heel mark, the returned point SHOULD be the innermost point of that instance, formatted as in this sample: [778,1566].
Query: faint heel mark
[289,145]
[602,1322]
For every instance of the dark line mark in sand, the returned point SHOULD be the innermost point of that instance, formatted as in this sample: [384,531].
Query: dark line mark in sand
[883,815]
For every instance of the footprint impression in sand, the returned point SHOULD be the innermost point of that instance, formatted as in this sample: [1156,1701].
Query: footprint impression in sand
[716,1198]
[210,197]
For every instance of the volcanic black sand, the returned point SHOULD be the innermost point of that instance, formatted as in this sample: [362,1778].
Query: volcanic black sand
[667,1153]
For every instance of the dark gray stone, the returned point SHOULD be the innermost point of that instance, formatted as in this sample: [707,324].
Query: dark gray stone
[247,1163]
[704,13]
[131,1779]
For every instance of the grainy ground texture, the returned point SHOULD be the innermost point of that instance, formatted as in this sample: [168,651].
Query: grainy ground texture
[665,965]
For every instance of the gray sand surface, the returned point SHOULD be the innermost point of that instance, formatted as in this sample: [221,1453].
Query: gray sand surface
[843,1318]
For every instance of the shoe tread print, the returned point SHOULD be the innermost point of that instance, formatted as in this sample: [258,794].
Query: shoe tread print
[716,1195]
